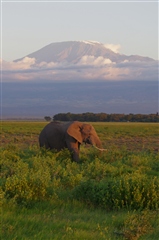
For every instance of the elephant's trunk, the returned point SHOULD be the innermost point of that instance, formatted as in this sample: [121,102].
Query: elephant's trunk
[96,142]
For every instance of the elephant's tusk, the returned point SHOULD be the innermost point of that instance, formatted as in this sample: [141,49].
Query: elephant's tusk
[100,149]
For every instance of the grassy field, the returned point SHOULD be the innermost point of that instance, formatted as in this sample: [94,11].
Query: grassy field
[110,195]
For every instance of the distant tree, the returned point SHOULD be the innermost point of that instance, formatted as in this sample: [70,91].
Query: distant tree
[47,118]
[104,117]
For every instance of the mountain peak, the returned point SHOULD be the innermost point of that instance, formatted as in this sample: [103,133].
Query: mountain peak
[90,42]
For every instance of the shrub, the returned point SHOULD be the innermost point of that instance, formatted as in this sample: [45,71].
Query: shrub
[98,170]
[133,191]
[27,184]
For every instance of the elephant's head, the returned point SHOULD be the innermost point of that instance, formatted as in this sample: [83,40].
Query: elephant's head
[83,132]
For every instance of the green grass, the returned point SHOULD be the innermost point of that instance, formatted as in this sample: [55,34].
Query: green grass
[65,220]
[109,195]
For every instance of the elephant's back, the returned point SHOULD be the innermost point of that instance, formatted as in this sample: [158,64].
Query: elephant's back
[52,129]
[53,135]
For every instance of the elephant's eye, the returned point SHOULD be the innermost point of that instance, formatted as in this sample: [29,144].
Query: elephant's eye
[88,139]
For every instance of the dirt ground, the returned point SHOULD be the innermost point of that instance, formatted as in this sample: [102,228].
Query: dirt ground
[130,143]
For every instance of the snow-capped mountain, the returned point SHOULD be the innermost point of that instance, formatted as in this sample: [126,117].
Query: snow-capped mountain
[74,51]
[84,60]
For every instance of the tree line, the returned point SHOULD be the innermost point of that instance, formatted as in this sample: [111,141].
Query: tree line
[104,117]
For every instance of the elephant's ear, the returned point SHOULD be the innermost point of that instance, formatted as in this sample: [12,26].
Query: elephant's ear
[74,130]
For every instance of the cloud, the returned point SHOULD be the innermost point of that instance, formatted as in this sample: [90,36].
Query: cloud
[26,69]
[91,60]
[25,63]
[114,47]
[87,68]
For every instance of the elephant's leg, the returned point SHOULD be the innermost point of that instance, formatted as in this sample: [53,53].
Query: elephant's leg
[75,155]
[74,146]
[44,143]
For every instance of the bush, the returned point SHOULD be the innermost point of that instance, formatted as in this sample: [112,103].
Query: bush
[112,180]
[133,191]
[27,183]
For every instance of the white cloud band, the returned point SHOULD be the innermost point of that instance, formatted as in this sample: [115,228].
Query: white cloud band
[87,68]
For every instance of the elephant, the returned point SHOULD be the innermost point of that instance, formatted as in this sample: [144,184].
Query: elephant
[71,135]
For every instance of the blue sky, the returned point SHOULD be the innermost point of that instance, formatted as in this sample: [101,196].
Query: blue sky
[29,26]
